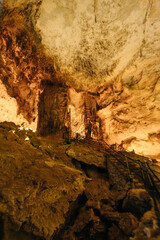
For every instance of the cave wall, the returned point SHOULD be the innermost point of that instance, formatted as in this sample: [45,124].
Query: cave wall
[92,41]
[22,68]
[18,71]
[110,48]
[82,114]
[8,109]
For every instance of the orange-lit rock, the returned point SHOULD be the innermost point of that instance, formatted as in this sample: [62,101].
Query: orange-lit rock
[107,47]
[21,71]
[53,190]
[76,112]
[9,109]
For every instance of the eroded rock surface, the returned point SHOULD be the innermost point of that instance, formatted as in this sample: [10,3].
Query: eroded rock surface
[137,201]
[105,47]
[87,155]
[36,197]
[91,40]
[21,71]
[52,109]
[48,193]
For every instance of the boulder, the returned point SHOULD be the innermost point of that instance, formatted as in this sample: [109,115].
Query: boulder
[137,202]
[128,223]
[110,214]
[87,155]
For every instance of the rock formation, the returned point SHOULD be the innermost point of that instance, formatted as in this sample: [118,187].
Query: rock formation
[107,48]
[52,109]
[53,190]
[87,71]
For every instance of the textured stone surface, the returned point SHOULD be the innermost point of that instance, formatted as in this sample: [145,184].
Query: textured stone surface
[76,112]
[21,71]
[137,201]
[87,155]
[9,107]
[92,41]
[45,195]
[36,196]
[128,223]
[111,47]
[52,109]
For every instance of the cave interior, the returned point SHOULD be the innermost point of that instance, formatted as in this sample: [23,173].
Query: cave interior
[79,120]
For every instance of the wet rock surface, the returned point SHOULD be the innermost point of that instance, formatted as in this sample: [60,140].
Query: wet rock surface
[47,192]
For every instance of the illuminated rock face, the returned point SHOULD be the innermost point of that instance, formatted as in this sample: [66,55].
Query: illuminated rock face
[111,48]
[91,41]
[21,72]
[130,107]
[18,73]
[9,108]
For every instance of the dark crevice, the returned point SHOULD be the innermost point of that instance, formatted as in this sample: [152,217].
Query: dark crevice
[79,165]
[1,229]
[85,167]
[109,224]
[103,219]
[73,212]
[84,234]
[75,208]
[119,205]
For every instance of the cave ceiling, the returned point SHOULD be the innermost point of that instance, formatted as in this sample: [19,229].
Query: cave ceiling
[107,47]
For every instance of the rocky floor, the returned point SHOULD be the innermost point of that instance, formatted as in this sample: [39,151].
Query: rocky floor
[55,189]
